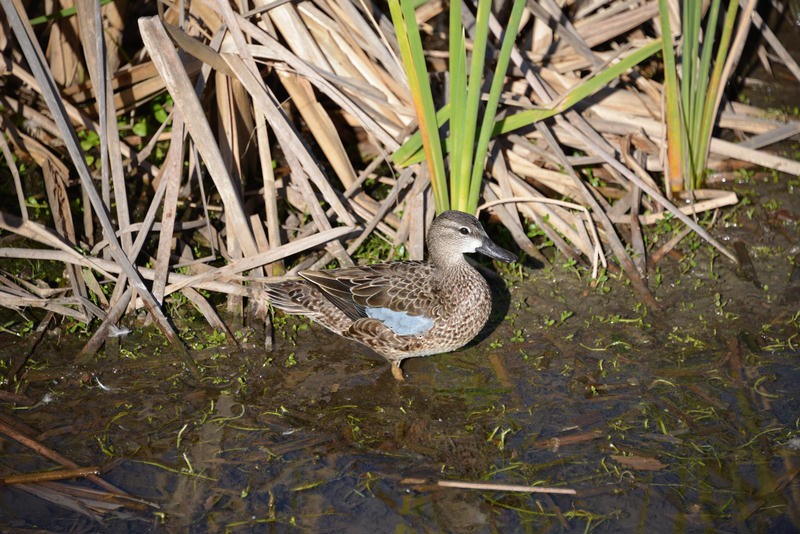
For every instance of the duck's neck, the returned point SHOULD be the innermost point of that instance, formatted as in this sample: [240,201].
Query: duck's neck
[459,281]
[450,265]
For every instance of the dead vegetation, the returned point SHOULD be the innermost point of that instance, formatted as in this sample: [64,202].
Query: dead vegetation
[276,138]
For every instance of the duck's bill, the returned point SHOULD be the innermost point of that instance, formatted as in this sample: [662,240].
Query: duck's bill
[488,248]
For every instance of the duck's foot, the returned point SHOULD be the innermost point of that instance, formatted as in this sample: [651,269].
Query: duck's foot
[397,373]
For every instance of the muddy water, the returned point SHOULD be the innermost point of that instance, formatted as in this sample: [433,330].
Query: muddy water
[674,420]
[682,419]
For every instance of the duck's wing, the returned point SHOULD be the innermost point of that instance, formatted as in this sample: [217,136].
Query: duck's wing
[379,291]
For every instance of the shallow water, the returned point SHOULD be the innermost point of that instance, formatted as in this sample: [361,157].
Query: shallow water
[681,419]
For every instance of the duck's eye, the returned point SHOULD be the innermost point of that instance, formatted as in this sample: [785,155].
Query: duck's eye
[464,230]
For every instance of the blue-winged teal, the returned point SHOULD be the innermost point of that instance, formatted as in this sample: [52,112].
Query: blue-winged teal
[402,309]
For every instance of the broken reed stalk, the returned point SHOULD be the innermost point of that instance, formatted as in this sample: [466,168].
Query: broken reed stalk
[54,456]
[487,486]
[49,476]
[504,487]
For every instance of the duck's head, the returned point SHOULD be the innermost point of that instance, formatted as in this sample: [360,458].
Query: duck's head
[454,233]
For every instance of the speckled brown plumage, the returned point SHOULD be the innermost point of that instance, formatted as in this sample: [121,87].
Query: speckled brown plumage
[402,309]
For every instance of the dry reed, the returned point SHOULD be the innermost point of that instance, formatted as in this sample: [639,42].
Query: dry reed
[278,115]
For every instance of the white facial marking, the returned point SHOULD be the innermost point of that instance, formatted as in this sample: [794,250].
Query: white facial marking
[401,322]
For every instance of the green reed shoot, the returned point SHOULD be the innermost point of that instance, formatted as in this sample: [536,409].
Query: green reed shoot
[467,156]
[692,99]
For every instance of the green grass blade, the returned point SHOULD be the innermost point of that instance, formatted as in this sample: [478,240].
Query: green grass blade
[715,84]
[411,152]
[701,86]
[408,37]
[690,31]
[674,119]
[460,170]
[578,93]
[487,125]
[458,93]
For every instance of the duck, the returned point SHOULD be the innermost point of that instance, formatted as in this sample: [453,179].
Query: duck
[402,309]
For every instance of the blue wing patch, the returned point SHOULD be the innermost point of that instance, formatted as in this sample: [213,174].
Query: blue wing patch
[401,322]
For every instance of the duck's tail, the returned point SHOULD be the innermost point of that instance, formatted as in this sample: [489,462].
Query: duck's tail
[299,297]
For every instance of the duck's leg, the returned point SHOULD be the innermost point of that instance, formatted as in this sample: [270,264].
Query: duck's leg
[397,373]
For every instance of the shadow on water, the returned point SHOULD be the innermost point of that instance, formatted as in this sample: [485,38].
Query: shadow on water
[501,299]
